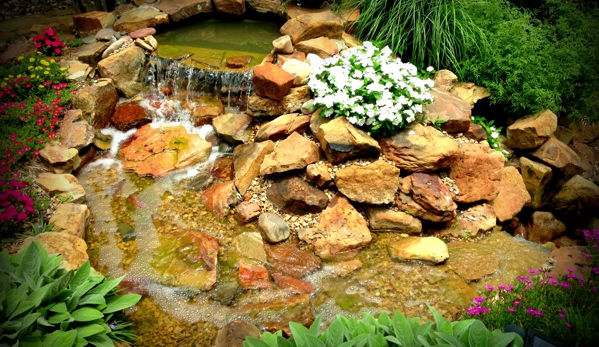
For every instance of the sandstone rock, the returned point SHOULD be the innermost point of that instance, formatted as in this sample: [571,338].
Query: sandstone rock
[570,258]
[266,6]
[130,115]
[271,81]
[63,185]
[125,69]
[221,197]
[142,33]
[288,259]
[71,219]
[351,41]
[292,284]
[117,45]
[341,231]
[472,261]
[181,9]
[341,141]
[237,62]
[310,26]
[445,80]
[157,151]
[477,172]
[233,128]
[537,178]
[420,148]
[476,132]
[101,141]
[295,152]
[355,182]
[249,245]
[204,109]
[426,249]
[430,200]
[450,108]
[139,18]
[247,211]
[292,102]
[531,132]
[319,174]
[91,53]
[72,249]
[564,134]
[104,34]
[146,46]
[512,195]
[470,92]
[253,276]
[276,313]
[247,160]
[283,45]
[22,47]
[559,155]
[344,268]
[544,227]
[577,194]
[383,219]
[475,219]
[273,228]
[142,2]
[97,102]
[282,126]
[74,131]
[90,23]
[78,71]
[294,195]
[586,133]
[230,6]
[234,333]
[294,10]
[299,69]
[61,158]
[321,46]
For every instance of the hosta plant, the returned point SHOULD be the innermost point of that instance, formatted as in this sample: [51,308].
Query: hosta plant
[370,88]
[390,332]
[42,304]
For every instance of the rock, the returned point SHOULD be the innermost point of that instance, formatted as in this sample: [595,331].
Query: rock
[221,197]
[247,211]
[341,231]
[90,23]
[472,261]
[234,333]
[271,81]
[204,109]
[341,141]
[92,53]
[586,133]
[238,62]
[299,69]
[477,172]
[321,46]
[233,128]
[430,200]
[143,44]
[186,259]
[559,155]
[544,227]
[63,185]
[276,313]
[72,249]
[283,45]
[292,284]
[295,152]
[182,9]
[288,259]
[159,150]
[75,132]
[61,158]
[577,193]
[247,160]
[115,46]
[77,71]
[273,228]
[312,25]
[426,249]
[351,41]
[470,92]
[130,115]
[142,33]
[71,219]
[230,6]
[97,102]
[139,18]
[570,258]
[563,134]
[537,178]
[355,182]
[151,41]
[101,141]
[383,219]
[477,218]
[319,174]
[445,80]
[282,126]
[266,6]
[21,47]
[253,276]
[450,108]
[420,148]
[344,268]
[104,34]
[584,152]
[249,245]
[512,195]
[125,69]
[531,132]
[292,102]
[296,196]
[476,132]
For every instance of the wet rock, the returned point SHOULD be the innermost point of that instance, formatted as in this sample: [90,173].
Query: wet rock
[445,80]
[104,34]
[101,141]
[319,174]
[544,227]
[77,71]
[295,152]
[355,182]
[143,44]
[130,115]
[476,132]
[344,268]
[512,195]
[139,18]
[296,196]
[63,185]
[222,168]
[157,151]
[230,6]
[234,333]
[247,211]
[288,259]
[72,249]
[283,44]
[71,219]
[90,23]
[420,148]
[570,258]
[470,92]
[312,25]
[204,109]
[292,102]
[233,128]
[537,179]
[578,193]
[276,313]
[238,62]
[282,126]
[477,172]
[557,154]
[253,276]
[533,131]
[450,108]
[92,53]
[221,197]
[292,284]
[249,245]
[383,219]
[273,228]
[182,9]
[142,33]
[341,141]
[321,46]
[125,69]
[97,102]
[247,160]
[477,218]
[271,81]
[426,249]
[126,231]
[521,231]
[341,231]
[472,261]
[61,158]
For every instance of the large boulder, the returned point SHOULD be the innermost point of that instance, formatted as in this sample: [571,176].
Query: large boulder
[71,219]
[63,185]
[295,152]
[130,115]
[321,46]
[341,141]
[383,219]
[341,231]
[512,195]
[420,148]
[75,132]
[72,249]
[266,6]
[449,108]
[233,128]
[61,158]
[544,227]
[181,9]
[430,198]
[282,126]
[288,259]
[426,249]
[221,197]
[97,102]
[355,182]
[271,81]
[294,195]
[229,6]
[292,102]
[247,160]
[312,25]
[90,23]
[125,69]
[92,53]
[577,194]
[531,132]
[139,18]
[537,179]
[557,154]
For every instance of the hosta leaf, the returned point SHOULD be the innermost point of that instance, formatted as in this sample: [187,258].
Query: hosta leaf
[92,299]
[106,286]
[51,265]
[100,340]
[43,322]
[27,321]
[501,340]
[120,302]
[439,320]
[86,314]
[402,329]
[30,341]
[460,326]
[313,341]
[37,295]
[57,286]
[81,275]
[30,261]
[22,307]
[252,342]
[478,334]
[5,265]
[269,339]
[450,339]
[334,334]
[315,327]
[66,339]
[59,317]
[80,342]
[90,329]
[299,334]
[60,307]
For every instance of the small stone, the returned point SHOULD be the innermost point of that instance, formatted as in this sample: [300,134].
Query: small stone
[283,44]
[273,228]
[427,249]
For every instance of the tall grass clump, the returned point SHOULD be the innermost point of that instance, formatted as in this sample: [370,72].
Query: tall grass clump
[425,33]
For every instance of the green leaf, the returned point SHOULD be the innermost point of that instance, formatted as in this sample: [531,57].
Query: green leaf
[51,265]
[86,314]
[334,334]
[27,321]
[30,262]
[92,299]
[281,342]
[270,339]
[37,295]
[81,275]
[59,317]
[450,339]
[315,327]
[299,333]
[120,302]
[478,334]
[57,287]
[501,340]
[253,342]
[439,320]
[60,307]
[80,342]
[88,330]
[402,329]
[22,307]
[423,341]
[313,341]
[30,341]
[5,265]
[460,326]
[43,322]
[100,340]
[106,286]
[66,339]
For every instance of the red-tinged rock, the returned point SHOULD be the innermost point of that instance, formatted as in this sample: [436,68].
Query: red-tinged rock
[294,195]
[275,313]
[223,168]
[532,131]
[450,108]
[476,132]
[354,181]
[221,197]
[288,259]
[271,81]
[230,6]
[75,132]
[312,25]
[557,154]
[544,227]
[238,62]
[512,195]
[321,46]
[295,152]
[141,33]
[247,211]
[292,284]
[282,126]
[253,276]
[130,115]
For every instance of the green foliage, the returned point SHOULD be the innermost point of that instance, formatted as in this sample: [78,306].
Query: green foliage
[437,123]
[74,43]
[390,332]
[44,305]
[491,130]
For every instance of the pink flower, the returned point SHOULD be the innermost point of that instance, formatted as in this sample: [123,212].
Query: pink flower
[531,271]
[569,270]
[16,184]
[568,325]
[21,216]
[57,50]
[534,312]
[588,256]
[516,303]
[490,288]
[512,310]
[565,285]
[29,209]
[49,32]
[479,299]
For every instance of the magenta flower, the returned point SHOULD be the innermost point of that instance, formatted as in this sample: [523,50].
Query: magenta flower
[568,325]
[515,303]
[596,270]
[479,300]
[588,256]
[512,310]
[569,270]
[565,285]
[534,312]
[531,271]
[490,288]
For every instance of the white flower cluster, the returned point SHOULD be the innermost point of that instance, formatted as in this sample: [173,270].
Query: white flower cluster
[369,87]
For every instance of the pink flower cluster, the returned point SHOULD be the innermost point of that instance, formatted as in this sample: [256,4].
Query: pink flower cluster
[48,43]
[14,204]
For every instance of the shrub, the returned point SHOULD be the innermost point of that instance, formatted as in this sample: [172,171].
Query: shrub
[384,331]
[43,305]
[370,88]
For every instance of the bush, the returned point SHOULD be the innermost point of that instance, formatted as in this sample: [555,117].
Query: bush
[384,331]
[43,305]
